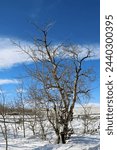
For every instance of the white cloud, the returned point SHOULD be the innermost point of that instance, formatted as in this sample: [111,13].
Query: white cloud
[9,81]
[11,55]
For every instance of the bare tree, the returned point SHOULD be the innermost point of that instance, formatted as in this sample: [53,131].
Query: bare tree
[89,118]
[38,111]
[14,113]
[20,105]
[86,117]
[62,79]
[3,113]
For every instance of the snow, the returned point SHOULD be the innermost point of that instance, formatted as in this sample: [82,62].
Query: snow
[78,140]
[80,143]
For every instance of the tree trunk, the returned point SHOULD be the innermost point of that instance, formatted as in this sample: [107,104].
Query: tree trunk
[6,143]
[5,134]
[42,130]
[63,138]
[24,130]
[58,139]
[33,129]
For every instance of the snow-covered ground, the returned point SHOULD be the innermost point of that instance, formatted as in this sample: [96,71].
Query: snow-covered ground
[32,143]
[78,140]
[86,142]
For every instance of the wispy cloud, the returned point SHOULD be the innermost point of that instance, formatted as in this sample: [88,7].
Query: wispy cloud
[11,55]
[9,81]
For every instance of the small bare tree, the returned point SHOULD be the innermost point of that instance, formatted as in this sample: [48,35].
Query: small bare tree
[3,114]
[20,105]
[14,113]
[88,118]
[38,111]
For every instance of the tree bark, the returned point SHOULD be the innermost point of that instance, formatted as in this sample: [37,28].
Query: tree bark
[63,138]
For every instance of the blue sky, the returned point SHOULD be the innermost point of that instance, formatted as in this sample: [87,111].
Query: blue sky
[75,21]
